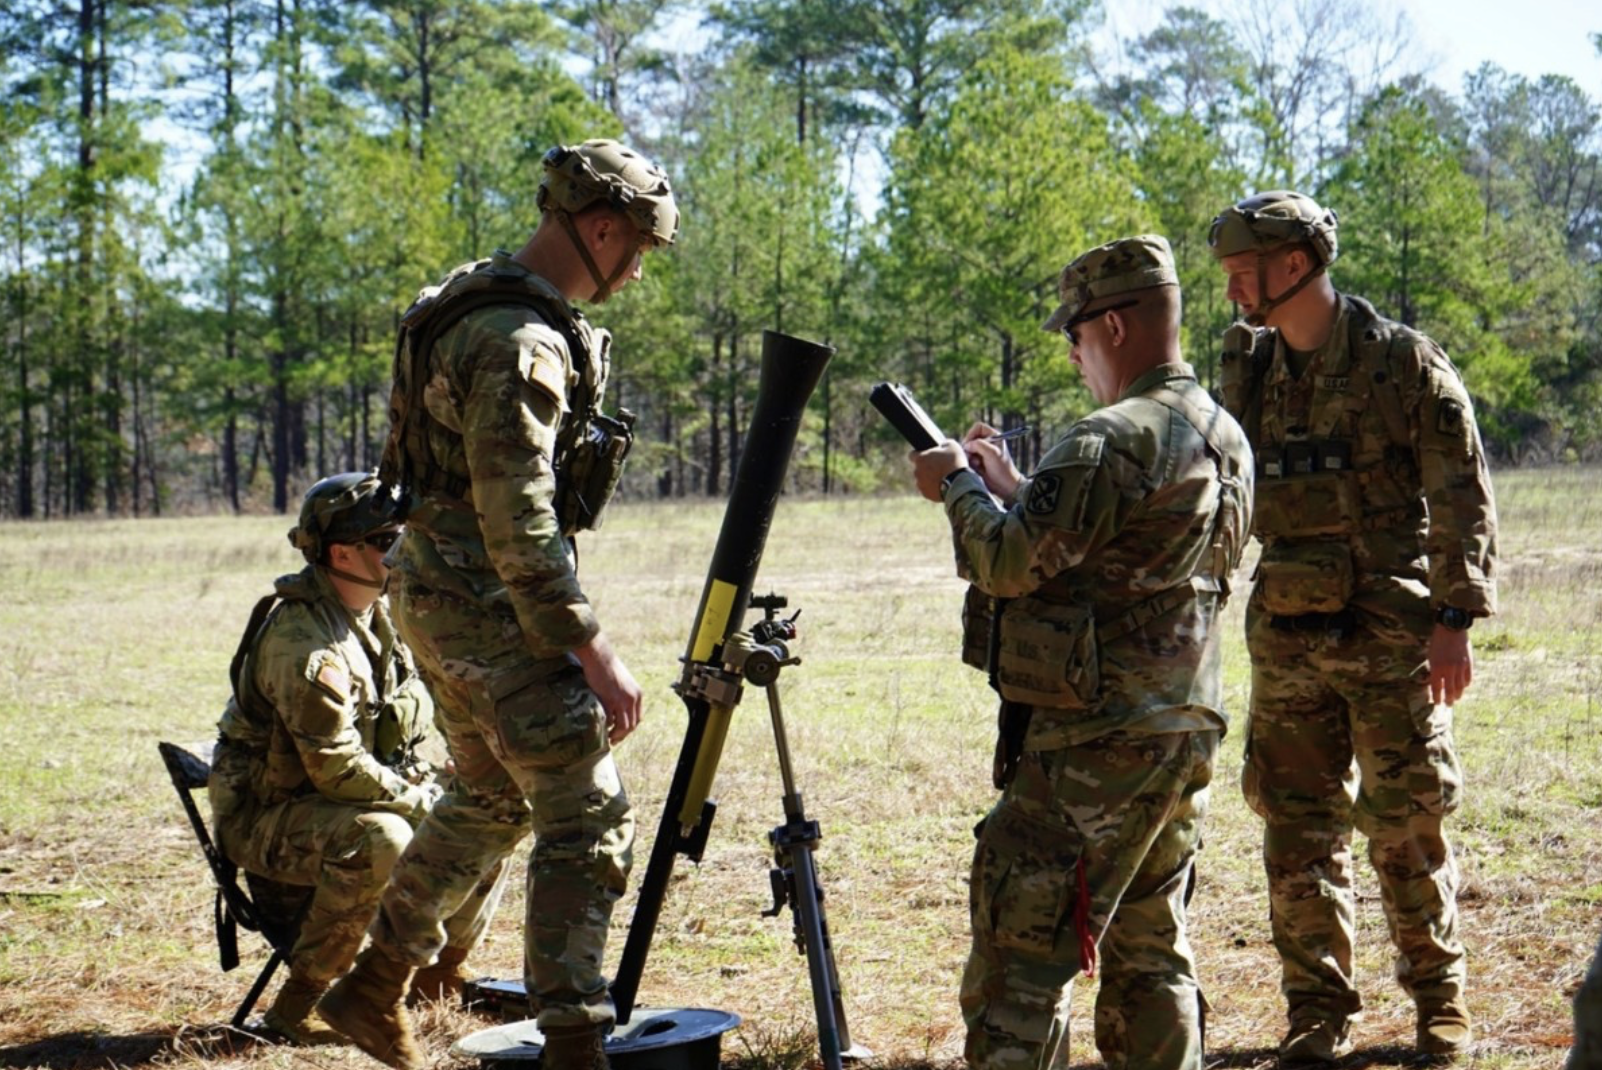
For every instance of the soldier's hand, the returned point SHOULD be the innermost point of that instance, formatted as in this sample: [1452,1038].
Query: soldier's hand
[929,467]
[992,460]
[613,685]
[420,799]
[1451,664]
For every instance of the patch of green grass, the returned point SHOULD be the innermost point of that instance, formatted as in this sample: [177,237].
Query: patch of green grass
[115,635]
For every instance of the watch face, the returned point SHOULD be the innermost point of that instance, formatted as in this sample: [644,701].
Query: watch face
[1454,618]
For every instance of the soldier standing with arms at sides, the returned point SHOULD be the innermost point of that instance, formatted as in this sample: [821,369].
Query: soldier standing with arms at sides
[316,779]
[1113,560]
[499,443]
[1378,529]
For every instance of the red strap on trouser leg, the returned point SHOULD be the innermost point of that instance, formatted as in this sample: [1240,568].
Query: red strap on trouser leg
[1087,939]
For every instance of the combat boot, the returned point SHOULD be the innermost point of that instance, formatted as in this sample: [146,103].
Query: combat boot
[292,1015]
[1312,1040]
[368,1006]
[1444,1027]
[574,1047]
[445,979]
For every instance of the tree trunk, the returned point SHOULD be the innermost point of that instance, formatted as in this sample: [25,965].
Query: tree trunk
[664,478]
[714,458]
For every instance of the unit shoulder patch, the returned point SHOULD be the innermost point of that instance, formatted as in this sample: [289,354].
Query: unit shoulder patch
[1045,492]
[1449,418]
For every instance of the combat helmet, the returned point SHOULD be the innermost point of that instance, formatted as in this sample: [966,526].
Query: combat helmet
[602,171]
[347,508]
[1267,221]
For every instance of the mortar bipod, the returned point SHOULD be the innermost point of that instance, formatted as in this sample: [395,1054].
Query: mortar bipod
[758,656]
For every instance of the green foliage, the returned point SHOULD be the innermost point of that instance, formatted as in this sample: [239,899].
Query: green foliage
[901,178]
[1475,264]
[985,204]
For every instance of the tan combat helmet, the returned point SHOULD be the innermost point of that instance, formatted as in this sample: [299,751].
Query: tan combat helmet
[1267,221]
[601,171]
[349,508]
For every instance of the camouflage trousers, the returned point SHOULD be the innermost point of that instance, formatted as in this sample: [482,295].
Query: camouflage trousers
[1118,818]
[1342,733]
[345,853]
[529,741]
[1587,1051]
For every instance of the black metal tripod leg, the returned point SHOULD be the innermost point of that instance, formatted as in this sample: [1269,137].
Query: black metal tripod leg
[809,917]
[256,989]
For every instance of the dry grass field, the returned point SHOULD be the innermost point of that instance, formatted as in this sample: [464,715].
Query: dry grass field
[114,635]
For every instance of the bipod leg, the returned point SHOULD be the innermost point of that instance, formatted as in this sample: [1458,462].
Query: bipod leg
[256,988]
[796,879]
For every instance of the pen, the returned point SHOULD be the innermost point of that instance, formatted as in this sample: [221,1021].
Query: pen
[1004,435]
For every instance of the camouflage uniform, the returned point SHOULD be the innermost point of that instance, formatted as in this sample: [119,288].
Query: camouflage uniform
[487,598]
[1113,562]
[1587,1051]
[304,786]
[1373,505]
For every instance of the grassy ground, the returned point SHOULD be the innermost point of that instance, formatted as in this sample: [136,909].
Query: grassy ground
[115,635]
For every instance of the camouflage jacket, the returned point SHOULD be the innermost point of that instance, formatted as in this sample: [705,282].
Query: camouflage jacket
[322,700]
[500,383]
[1137,518]
[1374,446]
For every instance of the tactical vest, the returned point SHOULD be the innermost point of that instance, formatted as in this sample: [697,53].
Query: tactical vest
[276,770]
[1048,645]
[590,445]
[1317,488]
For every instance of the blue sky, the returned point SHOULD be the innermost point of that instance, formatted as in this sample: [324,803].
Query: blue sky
[1532,37]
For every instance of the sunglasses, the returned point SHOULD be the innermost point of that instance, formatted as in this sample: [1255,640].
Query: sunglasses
[383,540]
[1078,321]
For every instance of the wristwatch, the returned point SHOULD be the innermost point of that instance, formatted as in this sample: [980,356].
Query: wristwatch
[1459,620]
[945,482]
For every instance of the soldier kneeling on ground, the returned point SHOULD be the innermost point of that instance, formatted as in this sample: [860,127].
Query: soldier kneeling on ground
[317,780]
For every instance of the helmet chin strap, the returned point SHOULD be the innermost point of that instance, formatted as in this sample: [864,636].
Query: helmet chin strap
[351,577]
[603,286]
[377,583]
[1259,318]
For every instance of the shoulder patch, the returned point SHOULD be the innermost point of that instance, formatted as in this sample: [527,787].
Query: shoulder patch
[1045,491]
[332,678]
[1449,418]
[1080,449]
[546,370]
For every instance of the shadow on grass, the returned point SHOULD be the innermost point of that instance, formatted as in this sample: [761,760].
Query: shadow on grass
[1236,1059]
[84,1050]
[1389,1055]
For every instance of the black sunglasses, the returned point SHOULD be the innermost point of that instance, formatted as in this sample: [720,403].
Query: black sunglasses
[1068,328]
[383,540]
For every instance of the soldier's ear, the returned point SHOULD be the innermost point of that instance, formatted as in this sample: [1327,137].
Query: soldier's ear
[1117,328]
[1298,262]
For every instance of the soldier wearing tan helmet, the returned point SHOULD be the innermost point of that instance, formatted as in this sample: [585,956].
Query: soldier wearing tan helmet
[1378,531]
[317,780]
[1112,561]
[502,454]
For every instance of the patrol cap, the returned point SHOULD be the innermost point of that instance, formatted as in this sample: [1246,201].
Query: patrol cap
[346,509]
[1119,267]
[603,171]
[1266,221]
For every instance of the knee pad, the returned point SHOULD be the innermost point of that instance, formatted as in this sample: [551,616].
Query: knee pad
[384,837]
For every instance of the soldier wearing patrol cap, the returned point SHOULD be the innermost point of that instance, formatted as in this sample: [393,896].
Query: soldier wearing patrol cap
[316,779]
[502,455]
[1110,566]
[1378,530]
